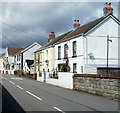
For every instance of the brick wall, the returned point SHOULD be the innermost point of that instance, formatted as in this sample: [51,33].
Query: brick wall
[105,86]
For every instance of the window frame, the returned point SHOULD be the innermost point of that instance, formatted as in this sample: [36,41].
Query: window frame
[59,52]
[65,51]
[74,66]
[74,48]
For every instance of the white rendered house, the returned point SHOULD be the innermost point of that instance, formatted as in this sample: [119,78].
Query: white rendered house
[25,57]
[85,48]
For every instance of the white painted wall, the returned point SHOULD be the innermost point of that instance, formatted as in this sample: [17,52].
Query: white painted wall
[64,80]
[1,63]
[98,45]
[10,58]
[92,43]
[78,59]
[29,55]
[50,57]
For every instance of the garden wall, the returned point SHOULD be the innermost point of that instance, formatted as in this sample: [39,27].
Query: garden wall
[105,86]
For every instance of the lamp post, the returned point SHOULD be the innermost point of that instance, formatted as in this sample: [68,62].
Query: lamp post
[107,52]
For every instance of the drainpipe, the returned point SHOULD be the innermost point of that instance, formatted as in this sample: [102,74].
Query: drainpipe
[86,49]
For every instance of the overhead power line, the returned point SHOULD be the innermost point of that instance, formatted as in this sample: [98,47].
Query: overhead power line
[102,36]
[10,41]
[33,34]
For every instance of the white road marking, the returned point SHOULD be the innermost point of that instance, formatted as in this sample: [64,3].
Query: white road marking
[34,95]
[12,82]
[17,78]
[4,78]
[58,109]
[19,87]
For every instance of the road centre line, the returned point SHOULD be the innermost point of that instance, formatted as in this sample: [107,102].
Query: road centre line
[12,82]
[4,78]
[19,87]
[33,95]
[58,109]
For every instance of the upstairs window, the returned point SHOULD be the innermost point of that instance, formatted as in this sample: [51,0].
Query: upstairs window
[74,49]
[19,57]
[65,51]
[46,54]
[15,58]
[59,52]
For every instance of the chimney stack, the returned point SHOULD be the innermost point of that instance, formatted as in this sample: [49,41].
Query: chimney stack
[51,36]
[76,24]
[107,9]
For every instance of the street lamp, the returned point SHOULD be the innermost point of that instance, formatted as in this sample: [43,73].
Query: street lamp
[107,52]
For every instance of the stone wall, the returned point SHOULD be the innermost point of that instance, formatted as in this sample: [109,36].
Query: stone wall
[105,86]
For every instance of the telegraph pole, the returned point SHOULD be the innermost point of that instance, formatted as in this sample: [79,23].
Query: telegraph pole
[107,52]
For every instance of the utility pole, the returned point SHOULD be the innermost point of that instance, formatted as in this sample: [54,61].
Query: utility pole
[107,52]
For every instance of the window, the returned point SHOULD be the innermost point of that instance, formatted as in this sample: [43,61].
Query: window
[81,69]
[59,52]
[19,57]
[74,68]
[15,58]
[46,54]
[7,59]
[65,51]
[74,49]
[41,57]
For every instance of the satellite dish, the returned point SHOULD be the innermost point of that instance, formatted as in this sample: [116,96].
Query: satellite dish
[91,56]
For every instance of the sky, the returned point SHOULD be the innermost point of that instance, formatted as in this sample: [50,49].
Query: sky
[23,23]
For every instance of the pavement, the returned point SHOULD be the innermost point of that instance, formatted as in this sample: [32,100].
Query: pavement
[22,95]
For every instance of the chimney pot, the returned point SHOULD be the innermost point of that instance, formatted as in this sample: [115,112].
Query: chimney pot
[51,36]
[76,24]
[107,9]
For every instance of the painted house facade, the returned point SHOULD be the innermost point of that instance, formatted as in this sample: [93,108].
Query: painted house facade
[25,58]
[90,48]
[2,61]
[45,56]
[9,57]
[85,49]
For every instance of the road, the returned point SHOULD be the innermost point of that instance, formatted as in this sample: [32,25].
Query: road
[21,94]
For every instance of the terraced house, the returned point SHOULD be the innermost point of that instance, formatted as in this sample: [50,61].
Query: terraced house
[45,56]
[90,48]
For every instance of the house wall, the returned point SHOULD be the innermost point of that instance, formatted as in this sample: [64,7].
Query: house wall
[92,43]
[98,45]
[10,59]
[80,54]
[50,57]
[1,63]
[29,54]
[17,61]
[36,62]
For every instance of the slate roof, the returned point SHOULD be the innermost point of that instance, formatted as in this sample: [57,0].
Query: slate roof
[13,50]
[54,41]
[85,28]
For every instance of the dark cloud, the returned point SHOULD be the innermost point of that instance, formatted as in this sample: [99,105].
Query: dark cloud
[38,19]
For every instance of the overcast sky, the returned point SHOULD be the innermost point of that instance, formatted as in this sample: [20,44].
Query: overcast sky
[27,22]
